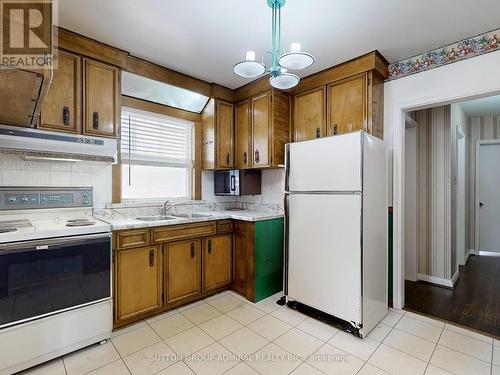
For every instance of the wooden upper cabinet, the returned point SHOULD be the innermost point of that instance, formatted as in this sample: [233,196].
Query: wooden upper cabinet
[224,134]
[216,261]
[347,105]
[61,109]
[261,129]
[243,135]
[217,135]
[101,99]
[183,278]
[139,282]
[310,114]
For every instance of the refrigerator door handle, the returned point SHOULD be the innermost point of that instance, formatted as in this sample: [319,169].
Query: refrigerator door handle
[287,167]
[286,257]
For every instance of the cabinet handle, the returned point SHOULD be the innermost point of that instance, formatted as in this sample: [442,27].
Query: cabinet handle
[245,157]
[318,133]
[335,129]
[95,120]
[66,116]
[210,246]
[193,252]
[257,156]
[151,258]
[227,159]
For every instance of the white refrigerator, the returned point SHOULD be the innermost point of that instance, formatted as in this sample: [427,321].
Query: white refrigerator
[336,228]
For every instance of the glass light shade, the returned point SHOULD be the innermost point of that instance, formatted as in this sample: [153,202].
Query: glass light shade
[249,69]
[296,60]
[284,81]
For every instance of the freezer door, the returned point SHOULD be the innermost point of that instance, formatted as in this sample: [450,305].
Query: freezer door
[328,164]
[324,253]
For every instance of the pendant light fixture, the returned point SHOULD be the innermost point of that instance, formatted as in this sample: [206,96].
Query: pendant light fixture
[281,61]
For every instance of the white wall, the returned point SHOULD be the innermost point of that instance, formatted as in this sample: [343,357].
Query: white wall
[17,172]
[411,214]
[467,79]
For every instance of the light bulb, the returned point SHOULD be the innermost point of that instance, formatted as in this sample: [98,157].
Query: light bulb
[250,56]
[295,47]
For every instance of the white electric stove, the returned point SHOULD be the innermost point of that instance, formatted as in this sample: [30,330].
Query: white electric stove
[55,275]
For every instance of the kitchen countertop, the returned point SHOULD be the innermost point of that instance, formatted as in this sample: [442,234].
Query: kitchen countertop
[131,223]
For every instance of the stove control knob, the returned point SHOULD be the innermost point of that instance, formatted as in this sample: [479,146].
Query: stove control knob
[25,199]
[12,199]
[85,201]
[85,194]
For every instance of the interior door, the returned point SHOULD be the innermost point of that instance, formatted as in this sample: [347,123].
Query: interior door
[324,253]
[261,127]
[309,161]
[183,269]
[488,197]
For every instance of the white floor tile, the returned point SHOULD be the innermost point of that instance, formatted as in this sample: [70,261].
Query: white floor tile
[289,315]
[466,345]
[410,344]
[220,326]
[55,367]
[497,342]
[458,363]
[127,329]
[191,305]
[134,341]
[171,325]
[269,304]
[180,368]
[201,313]
[433,370]
[244,342]
[426,319]
[419,328]
[496,356]
[246,314]
[162,316]
[299,343]
[396,362]
[225,303]
[306,369]
[361,348]
[212,360]
[272,360]
[332,360]
[371,370]
[150,360]
[90,358]
[380,332]
[392,318]
[468,332]
[269,327]
[114,368]
[318,329]
[241,369]
[495,370]
[189,341]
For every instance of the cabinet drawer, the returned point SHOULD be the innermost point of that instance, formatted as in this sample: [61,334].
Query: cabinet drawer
[177,232]
[132,238]
[224,226]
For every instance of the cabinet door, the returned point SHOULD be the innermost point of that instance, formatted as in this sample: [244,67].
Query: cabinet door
[139,281]
[101,93]
[244,259]
[183,269]
[216,261]
[61,109]
[261,129]
[310,114]
[224,134]
[347,105]
[243,135]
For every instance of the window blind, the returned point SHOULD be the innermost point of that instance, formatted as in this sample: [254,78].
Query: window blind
[153,139]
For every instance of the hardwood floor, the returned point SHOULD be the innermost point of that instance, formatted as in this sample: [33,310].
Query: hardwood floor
[474,303]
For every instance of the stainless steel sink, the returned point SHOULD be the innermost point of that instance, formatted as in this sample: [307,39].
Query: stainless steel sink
[156,218]
[191,215]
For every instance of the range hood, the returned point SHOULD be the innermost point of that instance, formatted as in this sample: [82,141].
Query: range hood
[42,145]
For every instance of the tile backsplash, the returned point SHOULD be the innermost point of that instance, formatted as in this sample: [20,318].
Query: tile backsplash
[17,172]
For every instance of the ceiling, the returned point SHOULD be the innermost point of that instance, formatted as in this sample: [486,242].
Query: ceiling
[205,38]
[489,106]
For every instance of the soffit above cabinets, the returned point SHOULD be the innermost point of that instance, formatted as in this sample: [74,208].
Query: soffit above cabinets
[204,39]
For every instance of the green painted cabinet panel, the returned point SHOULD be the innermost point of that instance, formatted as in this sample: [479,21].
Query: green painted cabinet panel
[269,236]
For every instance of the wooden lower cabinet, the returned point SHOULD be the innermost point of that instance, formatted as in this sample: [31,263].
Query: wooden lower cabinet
[138,282]
[183,269]
[244,259]
[217,261]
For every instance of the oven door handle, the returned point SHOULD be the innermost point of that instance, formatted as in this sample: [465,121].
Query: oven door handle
[51,243]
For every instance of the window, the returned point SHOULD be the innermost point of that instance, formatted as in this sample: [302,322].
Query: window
[156,156]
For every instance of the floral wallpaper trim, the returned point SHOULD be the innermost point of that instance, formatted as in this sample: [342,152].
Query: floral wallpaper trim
[465,49]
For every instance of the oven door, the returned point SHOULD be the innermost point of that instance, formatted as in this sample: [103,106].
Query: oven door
[43,277]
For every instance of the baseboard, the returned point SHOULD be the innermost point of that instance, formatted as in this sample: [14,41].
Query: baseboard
[454,279]
[490,253]
[436,280]
[468,254]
